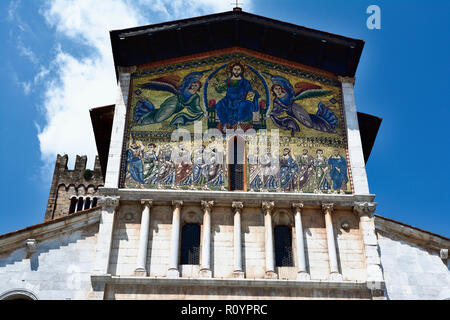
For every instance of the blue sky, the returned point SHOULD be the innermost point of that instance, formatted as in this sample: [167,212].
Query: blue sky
[56,64]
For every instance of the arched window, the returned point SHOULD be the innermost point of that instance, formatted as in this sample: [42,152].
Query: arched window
[283,246]
[87,203]
[94,202]
[73,205]
[80,204]
[190,244]
[236,151]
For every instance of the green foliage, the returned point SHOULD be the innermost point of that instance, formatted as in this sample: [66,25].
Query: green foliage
[88,174]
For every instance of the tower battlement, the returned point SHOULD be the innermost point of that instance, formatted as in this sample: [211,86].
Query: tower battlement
[67,183]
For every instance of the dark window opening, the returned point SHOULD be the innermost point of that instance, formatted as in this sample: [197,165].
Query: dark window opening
[94,202]
[87,203]
[236,168]
[80,204]
[283,246]
[190,244]
[73,205]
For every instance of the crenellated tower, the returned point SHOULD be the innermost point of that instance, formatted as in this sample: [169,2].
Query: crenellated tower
[73,190]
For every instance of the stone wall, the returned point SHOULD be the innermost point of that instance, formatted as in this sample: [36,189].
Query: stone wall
[59,269]
[68,183]
[412,271]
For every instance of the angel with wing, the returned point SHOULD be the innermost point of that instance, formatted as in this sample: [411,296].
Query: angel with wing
[286,101]
[185,96]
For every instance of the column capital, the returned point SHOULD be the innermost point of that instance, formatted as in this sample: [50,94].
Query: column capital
[207,205]
[349,80]
[237,206]
[177,203]
[147,202]
[109,202]
[268,206]
[130,70]
[298,205]
[365,208]
[327,208]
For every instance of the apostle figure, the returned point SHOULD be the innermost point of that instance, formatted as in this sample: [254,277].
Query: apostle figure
[240,100]
[322,171]
[166,172]
[133,163]
[306,181]
[270,168]
[338,171]
[288,171]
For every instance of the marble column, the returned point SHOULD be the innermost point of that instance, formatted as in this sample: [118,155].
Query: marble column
[365,212]
[267,207]
[238,270]
[302,273]
[205,270]
[110,205]
[143,239]
[173,271]
[327,209]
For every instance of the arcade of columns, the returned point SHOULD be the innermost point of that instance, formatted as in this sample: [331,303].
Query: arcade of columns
[364,210]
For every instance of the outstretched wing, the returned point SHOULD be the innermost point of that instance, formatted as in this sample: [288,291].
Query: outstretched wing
[191,77]
[143,106]
[282,82]
[168,83]
[306,90]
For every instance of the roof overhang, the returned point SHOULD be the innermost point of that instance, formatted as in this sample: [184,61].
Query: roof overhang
[152,43]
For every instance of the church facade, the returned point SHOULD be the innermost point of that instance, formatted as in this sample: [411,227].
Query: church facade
[232,166]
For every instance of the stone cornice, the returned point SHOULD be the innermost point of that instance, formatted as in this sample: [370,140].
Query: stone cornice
[226,197]
[53,228]
[243,283]
[411,234]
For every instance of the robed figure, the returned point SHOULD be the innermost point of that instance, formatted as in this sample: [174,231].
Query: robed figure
[338,172]
[240,100]
[288,171]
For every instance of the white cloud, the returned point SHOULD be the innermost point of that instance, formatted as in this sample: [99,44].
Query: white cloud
[26,52]
[76,84]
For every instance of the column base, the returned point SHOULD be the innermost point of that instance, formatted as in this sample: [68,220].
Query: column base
[173,273]
[140,272]
[270,275]
[303,276]
[238,274]
[205,273]
[335,276]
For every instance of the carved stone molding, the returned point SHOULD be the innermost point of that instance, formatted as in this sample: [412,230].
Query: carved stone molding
[327,208]
[207,205]
[237,206]
[268,206]
[298,206]
[191,217]
[177,203]
[283,218]
[109,203]
[147,202]
[350,80]
[365,208]
[131,69]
